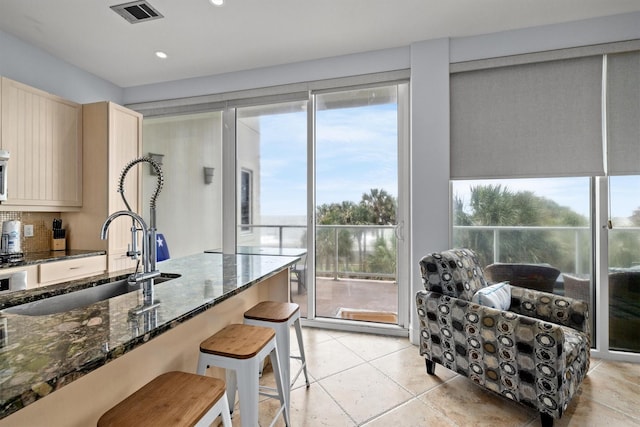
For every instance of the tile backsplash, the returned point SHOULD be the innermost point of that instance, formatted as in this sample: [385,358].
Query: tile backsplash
[41,221]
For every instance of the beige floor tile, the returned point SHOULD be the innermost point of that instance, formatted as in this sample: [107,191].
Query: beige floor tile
[315,407]
[371,347]
[583,412]
[604,385]
[407,368]
[414,413]
[329,357]
[467,404]
[624,371]
[364,392]
[595,363]
[312,407]
[312,336]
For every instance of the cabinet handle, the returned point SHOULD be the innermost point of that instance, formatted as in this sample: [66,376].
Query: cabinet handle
[73,268]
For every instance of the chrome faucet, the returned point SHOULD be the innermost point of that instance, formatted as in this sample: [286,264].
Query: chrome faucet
[148,254]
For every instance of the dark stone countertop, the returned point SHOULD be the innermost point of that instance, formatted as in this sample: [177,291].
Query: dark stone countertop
[40,354]
[33,258]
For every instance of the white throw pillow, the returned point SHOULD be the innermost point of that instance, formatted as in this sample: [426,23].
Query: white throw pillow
[497,296]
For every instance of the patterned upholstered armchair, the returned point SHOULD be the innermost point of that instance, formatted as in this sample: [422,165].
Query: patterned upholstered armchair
[536,352]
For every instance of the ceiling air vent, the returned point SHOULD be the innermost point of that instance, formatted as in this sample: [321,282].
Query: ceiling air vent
[137,11]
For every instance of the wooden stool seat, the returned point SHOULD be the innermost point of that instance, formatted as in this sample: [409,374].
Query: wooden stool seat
[239,348]
[272,311]
[238,341]
[171,399]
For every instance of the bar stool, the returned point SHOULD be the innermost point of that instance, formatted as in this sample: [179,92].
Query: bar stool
[239,349]
[172,399]
[280,316]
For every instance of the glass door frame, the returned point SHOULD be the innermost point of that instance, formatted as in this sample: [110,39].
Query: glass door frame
[403,221]
[601,343]
[403,234]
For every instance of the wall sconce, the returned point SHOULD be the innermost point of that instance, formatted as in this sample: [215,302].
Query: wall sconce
[208,175]
[156,158]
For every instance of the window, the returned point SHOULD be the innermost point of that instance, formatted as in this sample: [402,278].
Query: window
[624,264]
[246,189]
[545,220]
[271,143]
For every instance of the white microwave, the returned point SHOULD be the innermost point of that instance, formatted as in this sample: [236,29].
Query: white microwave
[4,160]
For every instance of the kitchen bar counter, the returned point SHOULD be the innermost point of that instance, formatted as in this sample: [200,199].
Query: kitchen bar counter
[42,354]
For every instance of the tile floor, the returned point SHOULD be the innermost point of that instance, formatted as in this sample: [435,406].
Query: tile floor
[378,381]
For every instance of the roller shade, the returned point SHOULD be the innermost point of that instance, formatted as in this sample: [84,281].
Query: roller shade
[532,120]
[623,113]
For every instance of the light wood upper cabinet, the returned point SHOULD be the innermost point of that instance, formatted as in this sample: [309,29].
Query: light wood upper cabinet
[112,137]
[43,134]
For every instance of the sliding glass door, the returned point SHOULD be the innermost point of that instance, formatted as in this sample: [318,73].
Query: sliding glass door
[357,181]
[271,189]
[271,143]
[356,145]
[624,264]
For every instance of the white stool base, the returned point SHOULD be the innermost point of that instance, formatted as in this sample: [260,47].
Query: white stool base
[242,375]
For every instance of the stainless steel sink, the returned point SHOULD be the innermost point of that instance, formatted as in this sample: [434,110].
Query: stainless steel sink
[81,298]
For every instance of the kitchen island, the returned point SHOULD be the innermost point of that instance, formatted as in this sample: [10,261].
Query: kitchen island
[66,369]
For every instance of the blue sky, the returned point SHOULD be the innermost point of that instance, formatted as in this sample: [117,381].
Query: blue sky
[356,151]
[625,195]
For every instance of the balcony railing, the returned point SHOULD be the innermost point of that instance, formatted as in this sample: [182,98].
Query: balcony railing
[368,251]
[574,244]
[355,251]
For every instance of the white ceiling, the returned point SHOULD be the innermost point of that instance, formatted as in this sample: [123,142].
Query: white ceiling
[244,34]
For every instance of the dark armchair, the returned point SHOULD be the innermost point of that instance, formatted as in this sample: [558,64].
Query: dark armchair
[536,352]
[541,277]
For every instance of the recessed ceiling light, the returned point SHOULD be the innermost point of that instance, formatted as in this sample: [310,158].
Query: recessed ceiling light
[217,2]
[161,54]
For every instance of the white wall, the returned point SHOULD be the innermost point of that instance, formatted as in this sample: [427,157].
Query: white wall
[188,211]
[30,65]
[429,209]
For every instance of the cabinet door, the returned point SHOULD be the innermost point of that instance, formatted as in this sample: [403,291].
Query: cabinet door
[125,141]
[42,132]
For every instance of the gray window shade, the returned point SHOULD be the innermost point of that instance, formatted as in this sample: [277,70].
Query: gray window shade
[533,120]
[623,113]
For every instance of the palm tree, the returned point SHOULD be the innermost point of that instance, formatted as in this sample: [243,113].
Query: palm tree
[377,207]
[381,207]
[495,205]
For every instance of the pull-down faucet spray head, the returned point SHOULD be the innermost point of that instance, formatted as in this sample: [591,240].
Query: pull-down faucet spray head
[148,253]
[159,184]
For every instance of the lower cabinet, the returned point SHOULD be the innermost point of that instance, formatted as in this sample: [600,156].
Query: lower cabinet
[50,273]
[31,273]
